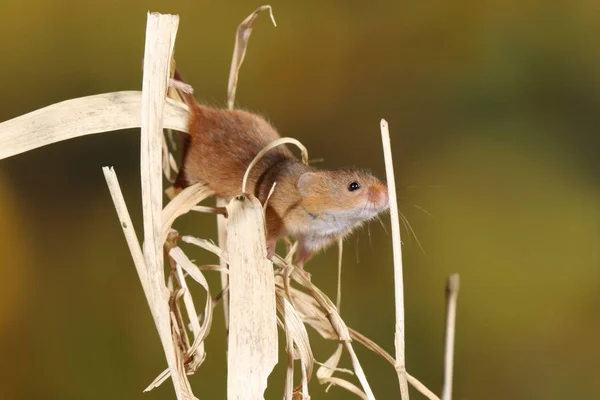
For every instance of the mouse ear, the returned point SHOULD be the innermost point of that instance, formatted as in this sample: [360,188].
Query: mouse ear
[305,182]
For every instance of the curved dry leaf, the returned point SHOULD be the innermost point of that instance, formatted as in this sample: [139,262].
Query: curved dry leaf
[273,144]
[336,322]
[195,353]
[239,50]
[346,385]
[79,117]
[326,370]
[206,245]
[311,313]
[183,203]
[294,325]
[200,331]
[193,271]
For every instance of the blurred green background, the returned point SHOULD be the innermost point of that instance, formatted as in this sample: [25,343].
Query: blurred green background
[494,110]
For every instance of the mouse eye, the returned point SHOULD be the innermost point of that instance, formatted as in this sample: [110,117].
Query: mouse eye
[353,186]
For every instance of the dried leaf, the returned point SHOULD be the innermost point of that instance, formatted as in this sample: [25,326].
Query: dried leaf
[346,385]
[79,117]
[193,271]
[296,332]
[252,350]
[239,51]
[326,370]
[274,143]
[183,203]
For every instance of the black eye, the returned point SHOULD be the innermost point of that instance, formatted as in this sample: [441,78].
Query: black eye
[353,186]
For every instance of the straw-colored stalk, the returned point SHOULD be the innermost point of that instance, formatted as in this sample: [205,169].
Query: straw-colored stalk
[397,249]
[252,348]
[160,40]
[452,288]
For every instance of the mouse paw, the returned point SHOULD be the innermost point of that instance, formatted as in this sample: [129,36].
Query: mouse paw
[271,249]
[184,87]
[307,275]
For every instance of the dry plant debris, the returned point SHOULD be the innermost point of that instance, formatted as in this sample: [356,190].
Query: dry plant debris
[258,295]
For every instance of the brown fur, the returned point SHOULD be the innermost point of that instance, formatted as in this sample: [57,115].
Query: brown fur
[316,207]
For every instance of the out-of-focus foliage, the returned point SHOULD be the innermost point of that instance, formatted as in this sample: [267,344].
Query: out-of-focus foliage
[494,110]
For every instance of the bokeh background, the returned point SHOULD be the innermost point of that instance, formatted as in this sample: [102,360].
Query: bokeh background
[494,109]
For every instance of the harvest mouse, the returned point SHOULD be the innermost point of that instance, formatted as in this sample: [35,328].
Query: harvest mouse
[314,207]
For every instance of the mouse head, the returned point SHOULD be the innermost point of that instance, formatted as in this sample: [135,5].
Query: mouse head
[353,194]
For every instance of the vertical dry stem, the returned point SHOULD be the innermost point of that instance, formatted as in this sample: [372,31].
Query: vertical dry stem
[160,40]
[398,281]
[338,302]
[222,242]
[128,230]
[452,288]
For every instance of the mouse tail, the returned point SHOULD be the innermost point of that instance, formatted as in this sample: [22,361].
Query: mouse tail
[181,181]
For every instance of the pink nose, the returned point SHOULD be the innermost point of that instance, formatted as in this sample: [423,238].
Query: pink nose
[378,195]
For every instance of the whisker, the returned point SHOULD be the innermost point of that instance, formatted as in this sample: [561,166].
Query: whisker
[423,186]
[378,218]
[424,210]
[414,234]
[365,208]
[403,220]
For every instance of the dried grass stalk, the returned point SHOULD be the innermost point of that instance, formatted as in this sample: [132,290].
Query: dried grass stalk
[325,375]
[338,301]
[397,248]
[320,312]
[160,40]
[192,316]
[128,230]
[79,117]
[222,241]
[195,353]
[452,288]
[375,348]
[252,347]
[297,335]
